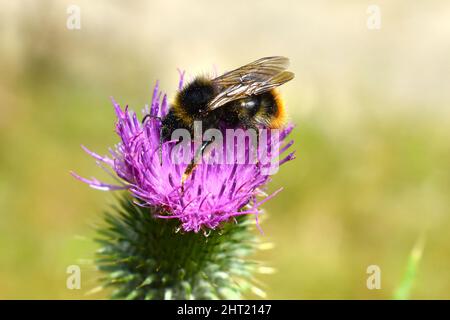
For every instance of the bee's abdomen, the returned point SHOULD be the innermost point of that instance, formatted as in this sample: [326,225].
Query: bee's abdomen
[271,112]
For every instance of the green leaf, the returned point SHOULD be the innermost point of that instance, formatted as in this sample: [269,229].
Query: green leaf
[403,292]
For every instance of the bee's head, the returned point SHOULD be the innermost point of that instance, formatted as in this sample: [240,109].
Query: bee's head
[194,98]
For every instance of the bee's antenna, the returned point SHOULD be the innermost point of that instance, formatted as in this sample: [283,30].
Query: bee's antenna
[150,116]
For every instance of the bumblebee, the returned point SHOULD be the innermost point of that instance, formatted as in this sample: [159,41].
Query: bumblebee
[242,98]
[246,98]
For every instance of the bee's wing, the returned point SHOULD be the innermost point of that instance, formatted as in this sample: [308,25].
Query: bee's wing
[254,78]
[259,70]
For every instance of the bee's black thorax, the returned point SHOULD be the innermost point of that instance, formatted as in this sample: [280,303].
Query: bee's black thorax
[195,97]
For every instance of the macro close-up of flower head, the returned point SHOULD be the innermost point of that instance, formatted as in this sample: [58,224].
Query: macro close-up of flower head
[216,192]
[212,193]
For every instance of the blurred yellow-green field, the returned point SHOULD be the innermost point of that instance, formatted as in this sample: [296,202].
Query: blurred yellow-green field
[372,115]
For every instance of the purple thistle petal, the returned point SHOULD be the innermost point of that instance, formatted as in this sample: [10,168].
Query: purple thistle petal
[105,159]
[94,183]
[181,73]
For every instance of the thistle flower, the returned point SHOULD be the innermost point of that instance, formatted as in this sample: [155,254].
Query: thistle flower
[141,255]
[213,194]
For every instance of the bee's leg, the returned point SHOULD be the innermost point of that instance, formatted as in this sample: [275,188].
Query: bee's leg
[254,144]
[150,116]
[193,164]
[250,125]
[160,134]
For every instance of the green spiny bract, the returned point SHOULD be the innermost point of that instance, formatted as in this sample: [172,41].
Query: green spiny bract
[143,257]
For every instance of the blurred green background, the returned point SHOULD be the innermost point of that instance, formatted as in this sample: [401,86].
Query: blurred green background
[372,138]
